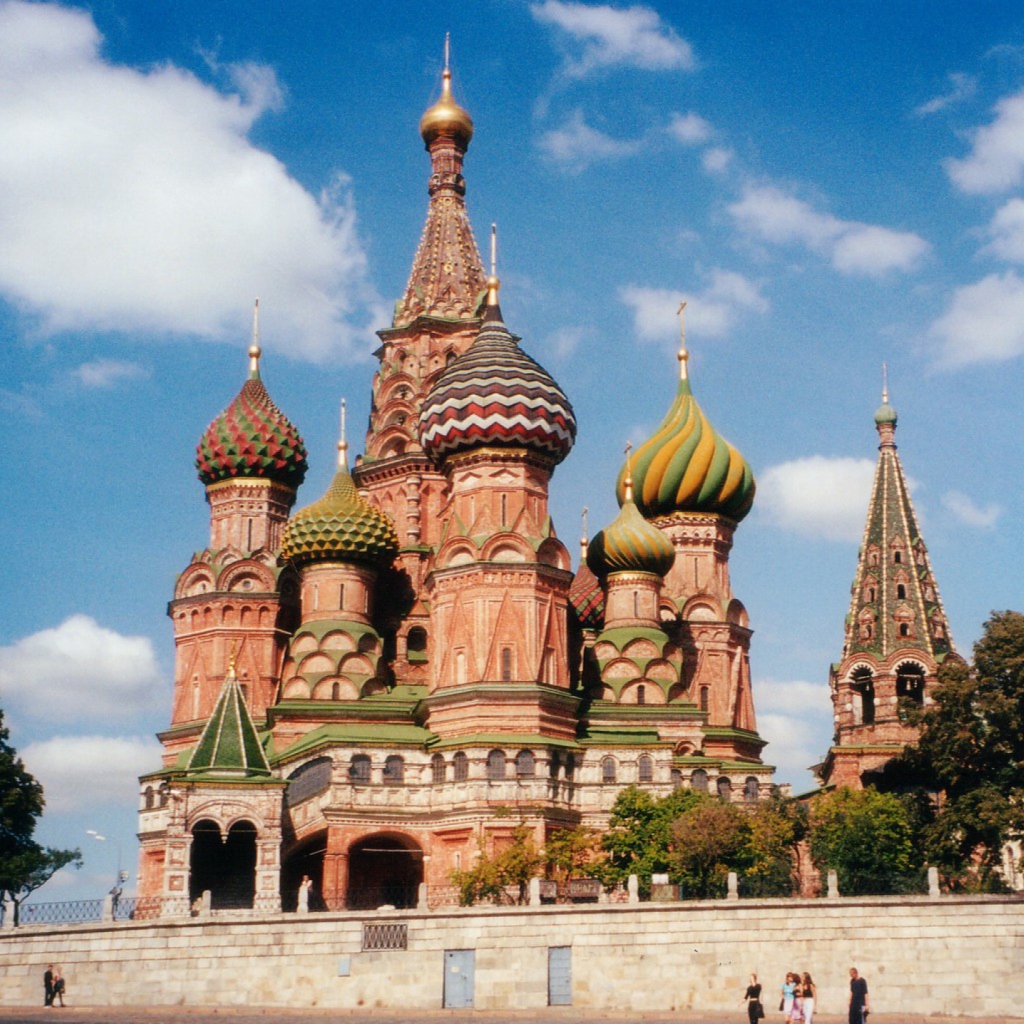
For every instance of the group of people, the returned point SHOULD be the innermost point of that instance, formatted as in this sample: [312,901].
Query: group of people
[53,986]
[799,995]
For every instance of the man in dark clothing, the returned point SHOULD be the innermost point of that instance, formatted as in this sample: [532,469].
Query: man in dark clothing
[858,998]
[48,985]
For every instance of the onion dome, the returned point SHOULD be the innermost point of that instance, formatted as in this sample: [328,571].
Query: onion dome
[252,437]
[586,598]
[687,466]
[495,394]
[446,117]
[341,527]
[885,413]
[630,544]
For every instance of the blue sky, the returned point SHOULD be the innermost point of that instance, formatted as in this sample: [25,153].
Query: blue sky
[829,186]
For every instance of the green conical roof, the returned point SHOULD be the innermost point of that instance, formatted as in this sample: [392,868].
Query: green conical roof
[230,745]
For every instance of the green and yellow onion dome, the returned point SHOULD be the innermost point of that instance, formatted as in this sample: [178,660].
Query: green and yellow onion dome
[687,466]
[340,527]
[252,438]
[446,117]
[630,544]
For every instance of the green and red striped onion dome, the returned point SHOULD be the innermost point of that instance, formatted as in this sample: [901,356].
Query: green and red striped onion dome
[687,466]
[586,598]
[630,544]
[252,438]
[340,527]
[495,394]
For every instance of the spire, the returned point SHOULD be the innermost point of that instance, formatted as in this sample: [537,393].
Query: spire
[447,273]
[254,349]
[584,541]
[230,745]
[493,310]
[896,601]
[683,355]
[342,442]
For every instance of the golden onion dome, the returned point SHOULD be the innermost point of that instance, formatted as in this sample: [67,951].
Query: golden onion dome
[446,117]
[687,466]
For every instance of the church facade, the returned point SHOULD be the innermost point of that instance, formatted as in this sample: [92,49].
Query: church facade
[373,689]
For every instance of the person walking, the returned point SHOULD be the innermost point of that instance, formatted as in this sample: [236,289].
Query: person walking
[788,991]
[859,1009]
[58,988]
[48,985]
[755,1009]
[810,994]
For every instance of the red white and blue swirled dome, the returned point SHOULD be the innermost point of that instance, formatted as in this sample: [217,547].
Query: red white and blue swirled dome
[495,394]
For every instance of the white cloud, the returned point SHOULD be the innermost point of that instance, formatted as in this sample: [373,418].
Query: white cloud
[853,247]
[1006,230]
[105,373]
[709,313]
[795,742]
[962,87]
[817,496]
[984,322]
[80,671]
[792,696]
[600,36]
[575,146]
[563,342]
[969,512]
[716,159]
[691,129]
[81,773]
[133,200]
[996,160]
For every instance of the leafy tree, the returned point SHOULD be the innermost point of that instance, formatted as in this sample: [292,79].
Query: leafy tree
[864,836]
[774,827]
[24,864]
[494,875]
[707,841]
[571,851]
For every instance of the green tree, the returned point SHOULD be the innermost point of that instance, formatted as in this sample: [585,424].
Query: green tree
[865,837]
[708,840]
[774,827]
[493,875]
[569,852]
[24,864]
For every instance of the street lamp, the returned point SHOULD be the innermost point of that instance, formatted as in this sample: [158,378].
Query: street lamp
[122,876]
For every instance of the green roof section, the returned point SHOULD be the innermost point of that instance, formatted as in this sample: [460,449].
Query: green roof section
[357,734]
[230,746]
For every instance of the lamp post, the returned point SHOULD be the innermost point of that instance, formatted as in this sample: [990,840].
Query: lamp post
[122,876]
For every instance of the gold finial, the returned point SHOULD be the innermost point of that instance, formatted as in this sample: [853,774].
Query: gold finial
[628,483]
[254,349]
[446,117]
[885,383]
[683,354]
[493,284]
[342,443]
[584,541]
[230,674]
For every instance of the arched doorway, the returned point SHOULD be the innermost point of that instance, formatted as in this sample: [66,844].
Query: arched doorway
[224,865]
[384,870]
[307,858]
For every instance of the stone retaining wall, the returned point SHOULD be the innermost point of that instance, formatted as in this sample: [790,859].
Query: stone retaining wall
[921,955]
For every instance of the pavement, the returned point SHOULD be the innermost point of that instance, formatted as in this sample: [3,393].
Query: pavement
[548,1015]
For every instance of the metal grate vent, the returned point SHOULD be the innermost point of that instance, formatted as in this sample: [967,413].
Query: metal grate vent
[394,935]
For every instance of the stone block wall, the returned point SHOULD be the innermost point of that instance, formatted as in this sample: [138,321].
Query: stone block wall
[921,955]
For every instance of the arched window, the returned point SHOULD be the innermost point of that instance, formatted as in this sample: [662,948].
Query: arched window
[897,557]
[724,787]
[641,694]
[677,778]
[570,764]
[359,768]
[460,767]
[335,691]
[704,698]
[751,788]
[416,642]
[608,772]
[149,798]
[901,591]
[506,664]
[645,769]
[554,763]
[863,686]
[496,765]
[699,780]
[910,683]
[165,794]
[460,668]
[438,769]
[525,764]
[394,770]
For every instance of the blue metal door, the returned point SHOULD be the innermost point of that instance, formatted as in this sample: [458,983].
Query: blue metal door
[459,967]
[559,975]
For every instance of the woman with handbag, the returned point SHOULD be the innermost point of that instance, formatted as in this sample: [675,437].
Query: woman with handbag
[755,1010]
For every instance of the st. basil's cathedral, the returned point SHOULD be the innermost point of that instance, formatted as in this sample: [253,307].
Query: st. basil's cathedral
[371,690]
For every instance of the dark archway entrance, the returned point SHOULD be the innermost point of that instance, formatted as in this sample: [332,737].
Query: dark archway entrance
[384,870]
[224,865]
[307,858]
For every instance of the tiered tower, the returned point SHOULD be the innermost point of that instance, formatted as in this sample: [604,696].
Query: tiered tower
[897,633]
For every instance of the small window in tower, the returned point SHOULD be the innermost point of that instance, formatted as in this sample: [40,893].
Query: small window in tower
[871,593]
[699,780]
[335,691]
[636,605]
[645,769]
[316,597]
[359,768]
[460,668]
[751,788]
[554,763]
[149,798]
[901,591]
[525,764]
[394,770]
[496,765]
[704,698]
[897,557]
[504,509]
[570,765]
[416,644]
[724,787]
[608,770]
[460,767]
[341,596]
[165,794]
[641,694]
[904,629]
[677,778]
[506,664]
[438,769]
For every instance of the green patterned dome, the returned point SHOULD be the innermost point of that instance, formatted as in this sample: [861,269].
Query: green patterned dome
[630,544]
[252,438]
[340,527]
[687,466]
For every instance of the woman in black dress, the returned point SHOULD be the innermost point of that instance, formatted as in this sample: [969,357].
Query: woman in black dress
[755,1011]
